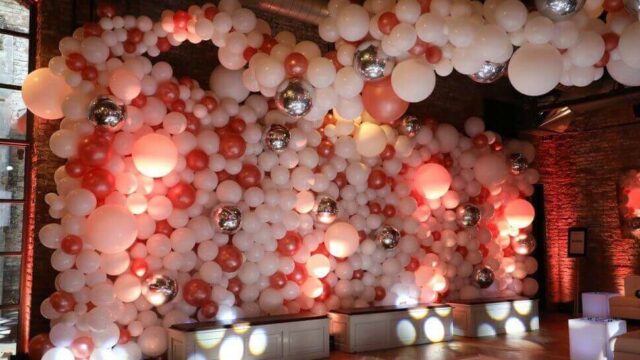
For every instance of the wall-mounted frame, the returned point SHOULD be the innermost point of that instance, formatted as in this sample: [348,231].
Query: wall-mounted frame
[577,244]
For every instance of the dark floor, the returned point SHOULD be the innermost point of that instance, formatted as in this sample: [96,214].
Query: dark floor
[551,342]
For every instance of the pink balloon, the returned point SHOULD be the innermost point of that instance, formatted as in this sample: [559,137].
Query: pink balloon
[519,213]
[432,180]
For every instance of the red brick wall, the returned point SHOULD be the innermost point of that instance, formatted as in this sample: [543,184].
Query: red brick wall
[579,173]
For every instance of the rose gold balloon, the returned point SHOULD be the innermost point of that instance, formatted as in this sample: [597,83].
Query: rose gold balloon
[381,102]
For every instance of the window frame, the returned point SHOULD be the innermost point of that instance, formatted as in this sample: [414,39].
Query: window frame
[28,206]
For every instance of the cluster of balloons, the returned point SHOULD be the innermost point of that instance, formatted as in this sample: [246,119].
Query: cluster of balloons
[629,201]
[178,204]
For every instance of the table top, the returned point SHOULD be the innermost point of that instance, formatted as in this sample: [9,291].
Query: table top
[249,321]
[590,320]
[391,308]
[488,300]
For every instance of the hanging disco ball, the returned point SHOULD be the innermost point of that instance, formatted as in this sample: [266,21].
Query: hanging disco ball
[326,209]
[632,5]
[518,163]
[388,237]
[489,72]
[469,215]
[371,62]
[159,289]
[524,245]
[227,218]
[277,138]
[558,10]
[107,112]
[294,97]
[482,277]
[410,125]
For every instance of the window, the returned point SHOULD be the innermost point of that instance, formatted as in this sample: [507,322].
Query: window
[16,59]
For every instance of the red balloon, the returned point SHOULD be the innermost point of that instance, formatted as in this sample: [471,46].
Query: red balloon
[289,244]
[139,267]
[38,345]
[196,292]
[125,336]
[480,141]
[413,264]
[419,48]
[71,244]
[163,227]
[182,195]
[75,168]
[232,146]
[197,160]
[389,211]
[106,9]
[381,102]
[604,60]
[237,125]
[211,12]
[209,309]
[387,21]
[278,280]
[358,274]
[388,153]
[613,5]
[168,92]
[94,151]
[234,285]
[375,208]
[181,18]
[82,347]
[380,293]
[209,102]
[229,258]
[326,291]
[424,5]
[91,29]
[249,176]
[75,62]
[433,54]
[325,149]
[100,182]
[135,35]
[163,44]
[295,64]
[377,179]
[89,73]
[62,302]
[611,40]
[340,180]
[299,274]
[248,53]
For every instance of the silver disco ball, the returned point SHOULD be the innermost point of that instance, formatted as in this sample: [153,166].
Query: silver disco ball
[371,62]
[558,10]
[518,163]
[159,289]
[524,245]
[277,138]
[482,277]
[489,72]
[326,209]
[632,5]
[294,97]
[469,215]
[107,112]
[227,218]
[388,237]
[410,125]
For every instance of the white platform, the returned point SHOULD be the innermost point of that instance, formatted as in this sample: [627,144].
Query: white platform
[386,327]
[590,339]
[277,337]
[596,304]
[490,317]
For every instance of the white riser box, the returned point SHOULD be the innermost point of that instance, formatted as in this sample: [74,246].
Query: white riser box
[491,317]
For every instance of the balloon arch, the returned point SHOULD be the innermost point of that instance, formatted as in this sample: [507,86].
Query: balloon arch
[317,191]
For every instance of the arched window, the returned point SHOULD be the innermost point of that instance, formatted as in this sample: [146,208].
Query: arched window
[16,60]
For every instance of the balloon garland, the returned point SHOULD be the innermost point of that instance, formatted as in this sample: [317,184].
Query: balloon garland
[179,204]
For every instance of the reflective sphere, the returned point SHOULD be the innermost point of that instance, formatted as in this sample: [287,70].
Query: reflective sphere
[410,125]
[482,277]
[227,218]
[469,215]
[524,246]
[108,112]
[326,209]
[277,138]
[559,9]
[634,226]
[388,237]
[159,289]
[371,62]
[518,163]
[489,72]
[632,5]
[294,97]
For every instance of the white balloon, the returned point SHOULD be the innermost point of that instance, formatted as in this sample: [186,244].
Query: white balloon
[535,69]
[629,47]
[413,80]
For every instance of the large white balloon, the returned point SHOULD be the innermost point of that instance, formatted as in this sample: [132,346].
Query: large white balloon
[413,80]
[228,83]
[43,92]
[111,229]
[623,73]
[535,69]
[629,45]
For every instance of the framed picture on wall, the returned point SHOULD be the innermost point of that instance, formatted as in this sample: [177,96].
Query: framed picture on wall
[577,242]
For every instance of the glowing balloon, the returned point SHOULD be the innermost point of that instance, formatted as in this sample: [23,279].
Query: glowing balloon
[432,180]
[519,213]
[111,229]
[341,239]
[370,139]
[43,92]
[318,265]
[155,155]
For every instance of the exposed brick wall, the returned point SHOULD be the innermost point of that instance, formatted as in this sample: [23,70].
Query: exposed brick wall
[579,172]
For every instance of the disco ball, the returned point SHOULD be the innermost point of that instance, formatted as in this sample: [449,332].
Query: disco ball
[159,289]
[388,237]
[326,209]
[518,163]
[410,125]
[371,62]
[558,10]
[107,112]
[482,277]
[489,72]
[294,97]
[524,245]
[227,218]
[469,215]
[277,138]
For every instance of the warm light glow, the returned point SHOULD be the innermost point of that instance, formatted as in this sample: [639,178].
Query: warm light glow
[406,332]
[486,329]
[154,155]
[432,180]
[519,213]
[438,283]
[514,326]
[341,239]
[232,348]
[498,313]
[523,307]
[312,287]
[318,265]
[257,342]
[419,313]
[443,311]
[434,329]
[207,340]
[634,199]
[241,328]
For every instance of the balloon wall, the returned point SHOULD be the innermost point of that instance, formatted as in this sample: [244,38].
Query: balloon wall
[297,183]
[629,202]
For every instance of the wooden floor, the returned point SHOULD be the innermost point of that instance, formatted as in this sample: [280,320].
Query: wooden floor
[551,342]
